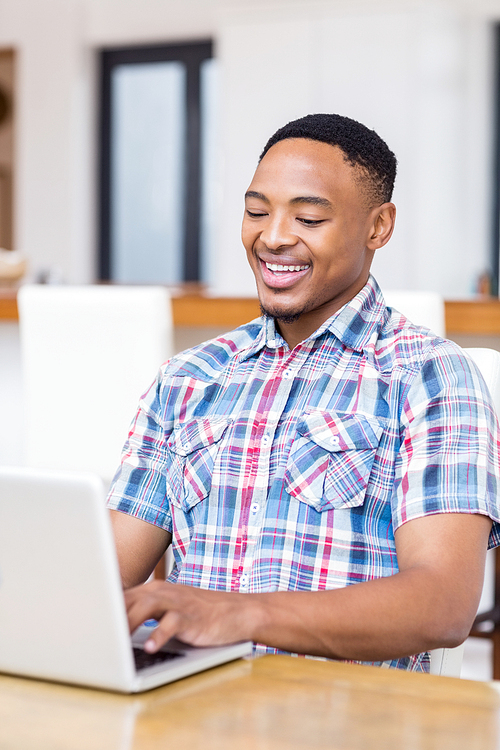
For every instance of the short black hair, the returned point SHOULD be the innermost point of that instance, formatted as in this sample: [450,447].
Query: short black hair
[361,147]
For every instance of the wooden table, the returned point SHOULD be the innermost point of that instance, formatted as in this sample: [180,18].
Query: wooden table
[273,703]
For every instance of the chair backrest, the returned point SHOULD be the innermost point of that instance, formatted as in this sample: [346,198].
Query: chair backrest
[88,352]
[422,308]
[448,661]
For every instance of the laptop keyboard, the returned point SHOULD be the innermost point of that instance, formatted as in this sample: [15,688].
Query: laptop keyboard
[143,659]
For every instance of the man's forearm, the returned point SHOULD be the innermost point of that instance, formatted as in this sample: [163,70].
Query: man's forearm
[376,621]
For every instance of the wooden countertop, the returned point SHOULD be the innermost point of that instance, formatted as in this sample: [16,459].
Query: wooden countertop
[481,316]
[189,309]
[475,316]
[273,703]
[8,304]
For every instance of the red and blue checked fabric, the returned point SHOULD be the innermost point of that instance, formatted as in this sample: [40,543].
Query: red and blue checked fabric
[280,470]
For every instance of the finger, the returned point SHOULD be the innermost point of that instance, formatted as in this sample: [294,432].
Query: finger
[142,605]
[168,627]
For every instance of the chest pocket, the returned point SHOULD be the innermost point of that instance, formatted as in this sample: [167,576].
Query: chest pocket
[331,459]
[193,447]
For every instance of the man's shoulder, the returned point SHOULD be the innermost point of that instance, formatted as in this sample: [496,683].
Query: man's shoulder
[408,345]
[215,355]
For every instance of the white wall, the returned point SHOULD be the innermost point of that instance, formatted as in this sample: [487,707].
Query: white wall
[418,72]
[420,76]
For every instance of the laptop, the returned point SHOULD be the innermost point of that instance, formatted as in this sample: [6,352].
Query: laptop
[62,613]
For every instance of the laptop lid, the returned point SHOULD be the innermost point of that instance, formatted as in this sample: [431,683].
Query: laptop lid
[62,613]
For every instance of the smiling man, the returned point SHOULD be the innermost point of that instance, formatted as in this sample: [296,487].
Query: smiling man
[327,474]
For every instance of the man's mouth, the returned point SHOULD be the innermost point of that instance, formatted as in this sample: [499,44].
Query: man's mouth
[283,275]
[278,268]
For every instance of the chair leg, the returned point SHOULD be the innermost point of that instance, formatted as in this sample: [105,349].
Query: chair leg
[496,621]
[495,637]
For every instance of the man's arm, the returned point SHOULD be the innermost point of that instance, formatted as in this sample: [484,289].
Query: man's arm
[430,603]
[139,546]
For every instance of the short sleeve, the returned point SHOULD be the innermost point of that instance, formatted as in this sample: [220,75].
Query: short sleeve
[449,457]
[139,486]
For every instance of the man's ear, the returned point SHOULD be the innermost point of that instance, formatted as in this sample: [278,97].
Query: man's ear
[382,225]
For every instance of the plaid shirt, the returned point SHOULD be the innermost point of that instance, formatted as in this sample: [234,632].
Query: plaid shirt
[287,470]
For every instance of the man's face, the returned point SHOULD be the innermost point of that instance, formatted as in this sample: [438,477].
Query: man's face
[305,230]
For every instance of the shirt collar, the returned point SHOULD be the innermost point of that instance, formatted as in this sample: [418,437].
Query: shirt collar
[354,324]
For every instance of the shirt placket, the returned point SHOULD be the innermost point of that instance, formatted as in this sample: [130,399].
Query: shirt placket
[283,377]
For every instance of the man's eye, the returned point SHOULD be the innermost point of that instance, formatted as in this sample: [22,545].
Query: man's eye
[311,222]
[255,214]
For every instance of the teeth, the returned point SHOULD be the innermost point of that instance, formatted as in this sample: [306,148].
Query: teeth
[278,267]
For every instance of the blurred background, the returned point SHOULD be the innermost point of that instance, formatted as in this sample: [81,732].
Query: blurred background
[118,108]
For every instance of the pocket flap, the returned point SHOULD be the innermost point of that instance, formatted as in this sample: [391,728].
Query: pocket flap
[196,434]
[331,460]
[340,432]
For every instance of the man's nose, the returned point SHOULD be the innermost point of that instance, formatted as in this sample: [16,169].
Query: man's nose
[277,233]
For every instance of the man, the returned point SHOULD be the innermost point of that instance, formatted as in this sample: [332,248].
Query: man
[327,474]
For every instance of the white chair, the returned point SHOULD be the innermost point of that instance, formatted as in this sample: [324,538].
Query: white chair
[448,661]
[88,353]
[422,308]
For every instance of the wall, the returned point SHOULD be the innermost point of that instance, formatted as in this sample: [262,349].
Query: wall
[418,72]
[52,181]
[419,76]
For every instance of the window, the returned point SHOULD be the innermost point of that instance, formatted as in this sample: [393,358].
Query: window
[157,123]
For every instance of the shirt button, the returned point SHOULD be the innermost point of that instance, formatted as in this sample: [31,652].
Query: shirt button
[335,442]
[244,580]
[266,441]
[255,507]
[288,374]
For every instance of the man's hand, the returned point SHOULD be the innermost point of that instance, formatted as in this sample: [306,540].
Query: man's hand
[195,616]
[430,603]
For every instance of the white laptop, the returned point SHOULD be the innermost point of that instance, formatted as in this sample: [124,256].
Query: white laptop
[62,613]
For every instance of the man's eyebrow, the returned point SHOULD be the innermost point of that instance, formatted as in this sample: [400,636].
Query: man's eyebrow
[313,200]
[255,194]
